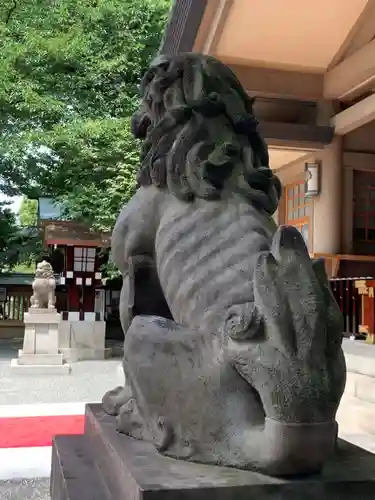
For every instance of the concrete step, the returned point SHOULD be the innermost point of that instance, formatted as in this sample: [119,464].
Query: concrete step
[74,475]
[357,409]
[360,386]
[356,415]
[363,440]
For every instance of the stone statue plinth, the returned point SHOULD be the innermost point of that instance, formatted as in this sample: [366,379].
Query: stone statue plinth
[130,468]
[41,340]
[41,343]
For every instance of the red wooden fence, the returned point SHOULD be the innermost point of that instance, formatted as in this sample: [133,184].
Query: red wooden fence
[349,301]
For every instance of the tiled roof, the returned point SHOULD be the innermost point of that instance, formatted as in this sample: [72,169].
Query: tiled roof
[7,279]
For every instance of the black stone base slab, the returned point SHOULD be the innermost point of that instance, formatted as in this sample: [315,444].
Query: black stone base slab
[105,465]
[73,472]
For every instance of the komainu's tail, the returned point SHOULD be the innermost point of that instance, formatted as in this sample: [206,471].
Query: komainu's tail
[288,348]
[287,345]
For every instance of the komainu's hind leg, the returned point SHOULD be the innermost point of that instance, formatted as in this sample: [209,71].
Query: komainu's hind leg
[188,398]
[154,363]
[51,300]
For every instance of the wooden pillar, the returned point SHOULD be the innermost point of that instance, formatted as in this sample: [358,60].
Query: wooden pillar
[327,206]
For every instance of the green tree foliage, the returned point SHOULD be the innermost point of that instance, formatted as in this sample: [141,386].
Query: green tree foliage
[69,73]
[8,230]
[28,212]
[17,245]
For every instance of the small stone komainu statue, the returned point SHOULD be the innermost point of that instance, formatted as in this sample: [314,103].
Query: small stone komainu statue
[44,286]
[247,370]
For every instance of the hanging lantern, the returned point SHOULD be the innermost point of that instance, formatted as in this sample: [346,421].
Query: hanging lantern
[312,178]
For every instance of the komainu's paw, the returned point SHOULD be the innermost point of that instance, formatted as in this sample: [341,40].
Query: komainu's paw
[130,422]
[164,435]
[114,399]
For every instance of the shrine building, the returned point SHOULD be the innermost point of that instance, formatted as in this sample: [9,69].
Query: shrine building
[89,305]
[311,67]
[75,253]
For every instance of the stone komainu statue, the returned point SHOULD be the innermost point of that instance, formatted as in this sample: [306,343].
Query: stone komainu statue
[247,370]
[44,286]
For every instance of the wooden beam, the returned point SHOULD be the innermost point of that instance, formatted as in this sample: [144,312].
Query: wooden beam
[361,258]
[183,26]
[354,117]
[362,32]
[270,82]
[294,135]
[205,27]
[359,161]
[297,161]
[74,242]
[216,26]
[352,76]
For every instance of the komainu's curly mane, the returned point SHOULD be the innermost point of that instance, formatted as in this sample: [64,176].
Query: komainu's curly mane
[200,136]
[44,270]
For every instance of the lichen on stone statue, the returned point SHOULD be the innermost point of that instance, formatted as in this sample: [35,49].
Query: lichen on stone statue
[250,371]
[44,286]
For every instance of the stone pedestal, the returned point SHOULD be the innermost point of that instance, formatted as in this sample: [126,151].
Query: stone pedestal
[40,351]
[82,340]
[103,464]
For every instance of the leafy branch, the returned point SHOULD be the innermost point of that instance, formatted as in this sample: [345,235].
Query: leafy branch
[10,12]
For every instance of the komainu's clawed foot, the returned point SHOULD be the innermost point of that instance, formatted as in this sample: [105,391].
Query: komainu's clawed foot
[130,422]
[120,402]
[114,399]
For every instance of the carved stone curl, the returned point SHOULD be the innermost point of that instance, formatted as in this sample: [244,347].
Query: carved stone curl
[233,354]
[44,286]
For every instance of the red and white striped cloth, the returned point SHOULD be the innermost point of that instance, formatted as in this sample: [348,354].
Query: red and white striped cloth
[26,433]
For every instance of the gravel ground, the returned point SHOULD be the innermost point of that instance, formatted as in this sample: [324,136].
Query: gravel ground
[25,489]
[88,381]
